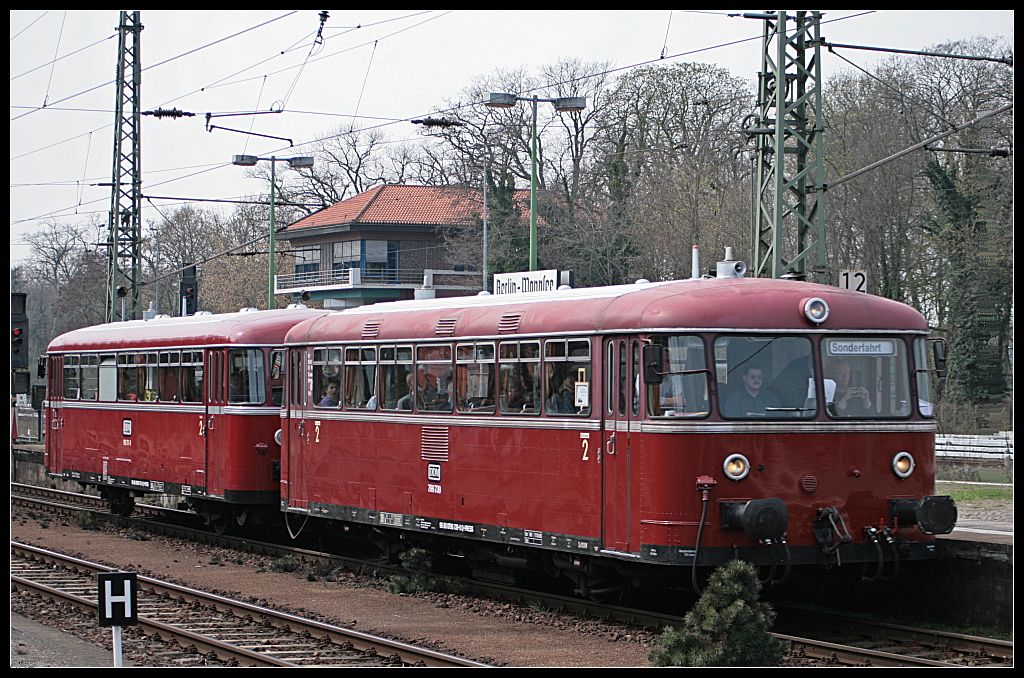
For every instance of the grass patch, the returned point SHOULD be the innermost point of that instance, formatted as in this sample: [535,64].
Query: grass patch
[976,492]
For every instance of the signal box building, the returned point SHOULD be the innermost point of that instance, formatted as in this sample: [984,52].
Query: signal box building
[381,245]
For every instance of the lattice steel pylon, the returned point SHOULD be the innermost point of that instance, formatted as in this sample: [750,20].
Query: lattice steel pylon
[124,243]
[787,228]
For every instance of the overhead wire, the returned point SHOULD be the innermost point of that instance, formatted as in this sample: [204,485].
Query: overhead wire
[390,121]
[165,61]
[31,24]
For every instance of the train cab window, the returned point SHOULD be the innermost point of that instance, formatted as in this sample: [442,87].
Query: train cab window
[434,388]
[72,377]
[865,377]
[90,376]
[684,388]
[128,377]
[360,378]
[327,377]
[168,376]
[475,372]
[567,377]
[191,387]
[764,377]
[926,375]
[396,376]
[277,372]
[247,377]
[519,377]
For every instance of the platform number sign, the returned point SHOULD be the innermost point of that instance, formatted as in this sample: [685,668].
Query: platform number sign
[853,280]
[117,598]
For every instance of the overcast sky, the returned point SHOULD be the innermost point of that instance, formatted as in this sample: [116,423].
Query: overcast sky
[386,67]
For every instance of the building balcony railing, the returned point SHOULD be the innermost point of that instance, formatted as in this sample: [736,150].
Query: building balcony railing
[351,278]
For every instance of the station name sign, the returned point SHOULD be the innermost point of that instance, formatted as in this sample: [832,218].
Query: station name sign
[527,281]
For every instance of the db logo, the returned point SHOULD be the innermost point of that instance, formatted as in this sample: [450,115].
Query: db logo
[434,472]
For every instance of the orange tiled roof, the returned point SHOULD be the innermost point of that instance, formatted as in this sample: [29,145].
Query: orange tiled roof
[399,204]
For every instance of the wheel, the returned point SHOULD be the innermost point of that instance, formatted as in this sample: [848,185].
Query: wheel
[121,503]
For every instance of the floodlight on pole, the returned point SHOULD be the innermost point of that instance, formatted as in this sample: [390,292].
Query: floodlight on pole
[562,105]
[295,163]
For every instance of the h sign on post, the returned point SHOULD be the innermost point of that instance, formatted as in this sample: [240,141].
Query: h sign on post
[117,599]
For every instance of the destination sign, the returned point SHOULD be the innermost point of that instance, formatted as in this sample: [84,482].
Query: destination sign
[861,347]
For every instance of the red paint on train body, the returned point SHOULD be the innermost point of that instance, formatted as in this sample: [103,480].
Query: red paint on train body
[804,480]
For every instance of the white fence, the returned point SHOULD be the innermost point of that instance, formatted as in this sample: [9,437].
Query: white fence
[998,447]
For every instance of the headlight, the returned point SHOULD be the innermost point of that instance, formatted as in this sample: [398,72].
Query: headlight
[277,437]
[816,310]
[736,467]
[903,464]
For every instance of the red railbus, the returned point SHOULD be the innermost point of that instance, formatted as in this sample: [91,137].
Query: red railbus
[179,406]
[620,434]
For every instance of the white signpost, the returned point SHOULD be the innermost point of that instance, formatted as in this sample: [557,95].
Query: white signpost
[526,281]
[117,605]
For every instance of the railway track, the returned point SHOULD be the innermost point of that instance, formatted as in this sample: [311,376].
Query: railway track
[836,640]
[185,623]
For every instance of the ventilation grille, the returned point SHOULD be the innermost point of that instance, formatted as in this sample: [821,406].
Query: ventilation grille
[509,323]
[434,443]
[445,327]
[371,328]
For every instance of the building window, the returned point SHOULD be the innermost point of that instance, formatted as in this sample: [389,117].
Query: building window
[307,263]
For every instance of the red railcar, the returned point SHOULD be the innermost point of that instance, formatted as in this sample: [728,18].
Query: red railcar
[623,432]
[179,406]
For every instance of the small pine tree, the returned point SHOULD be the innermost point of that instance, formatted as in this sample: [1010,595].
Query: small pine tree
[727,627]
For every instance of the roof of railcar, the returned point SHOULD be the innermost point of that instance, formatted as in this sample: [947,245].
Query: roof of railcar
[731,303]
[244,327]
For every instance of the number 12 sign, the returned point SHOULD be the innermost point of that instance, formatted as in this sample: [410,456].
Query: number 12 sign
[853,280]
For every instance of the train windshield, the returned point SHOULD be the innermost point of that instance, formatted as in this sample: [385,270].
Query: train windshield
[866,377]
[683,391]
[765,377]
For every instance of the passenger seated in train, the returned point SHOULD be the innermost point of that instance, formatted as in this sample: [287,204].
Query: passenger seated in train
[331,392]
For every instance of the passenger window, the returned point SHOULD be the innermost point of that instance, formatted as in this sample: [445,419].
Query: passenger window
[327,377]
[127,377]
[396,377]
[192,376]
[360,378]
[519,377]
[169,368]
[474,376]
[567,377]
[434,392]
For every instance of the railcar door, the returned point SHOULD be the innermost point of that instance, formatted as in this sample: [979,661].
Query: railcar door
[621,409]
[216,371]
[54,413]
[294,429]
